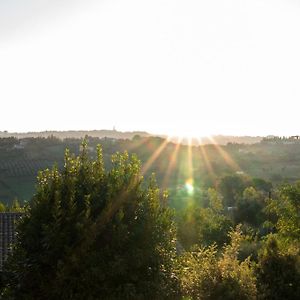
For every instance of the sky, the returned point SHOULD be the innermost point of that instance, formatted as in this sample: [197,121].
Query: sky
[178,67]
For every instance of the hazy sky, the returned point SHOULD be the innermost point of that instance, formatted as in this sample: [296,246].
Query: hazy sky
[166,66]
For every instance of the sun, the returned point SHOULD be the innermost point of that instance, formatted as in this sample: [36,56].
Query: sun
[188,135]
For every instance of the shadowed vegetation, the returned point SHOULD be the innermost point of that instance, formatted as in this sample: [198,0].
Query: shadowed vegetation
[96,229]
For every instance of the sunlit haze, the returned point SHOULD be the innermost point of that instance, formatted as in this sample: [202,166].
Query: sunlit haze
[178,67]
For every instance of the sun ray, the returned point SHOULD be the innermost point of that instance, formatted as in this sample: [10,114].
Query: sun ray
[189,169]
[137,144]
[180,169]
[225,155]
[206,160]
[172,162]
[154,156]
[190,158]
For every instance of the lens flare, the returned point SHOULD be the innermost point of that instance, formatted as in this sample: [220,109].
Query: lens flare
[189,186]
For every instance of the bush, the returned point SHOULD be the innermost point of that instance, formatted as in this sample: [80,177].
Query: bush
[278,273]
[89,233]
[206,275]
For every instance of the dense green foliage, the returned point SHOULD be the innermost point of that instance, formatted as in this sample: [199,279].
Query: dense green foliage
[279,260]
[204,225]
[278,272]
[94,234]
[205,275]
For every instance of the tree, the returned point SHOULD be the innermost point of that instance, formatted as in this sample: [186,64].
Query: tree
[278,273]
[279,259]
[231,187]
[287,211]
[89,233]
[250,207]
[262,185]
[204,226]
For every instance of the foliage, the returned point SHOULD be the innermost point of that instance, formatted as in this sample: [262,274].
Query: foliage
[215,201]
[232,187]
[95,229]
[278,273]
[279,260]
[14,207]
[19,165]
[287,210]
[206,275]
[249,208]
[91,233]
[2,207]
[204,226]
[262,185]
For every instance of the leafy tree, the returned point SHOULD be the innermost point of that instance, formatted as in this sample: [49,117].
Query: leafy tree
[89,233]
[250,207]
[231,187]
[204,226]
[278,273]
[279,259]
[262,185]
[215,201]
[287,210]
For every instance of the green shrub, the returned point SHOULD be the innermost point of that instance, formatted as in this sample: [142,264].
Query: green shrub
[89,233]
[205,274]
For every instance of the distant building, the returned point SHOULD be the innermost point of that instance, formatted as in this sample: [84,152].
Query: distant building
[21,145]
[7,233]
[240,173]
[244,151]
[273,140]
[18,146]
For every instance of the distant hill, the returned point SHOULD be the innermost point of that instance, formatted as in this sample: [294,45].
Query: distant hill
[22,156]
[114,134]
[221,140]
[225,139]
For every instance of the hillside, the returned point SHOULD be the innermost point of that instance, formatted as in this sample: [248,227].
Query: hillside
[21,159]
[114,134]
[77,134]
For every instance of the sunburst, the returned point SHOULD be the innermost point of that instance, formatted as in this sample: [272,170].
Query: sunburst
[171,166]
[225,155]
[154,156]
[206,159]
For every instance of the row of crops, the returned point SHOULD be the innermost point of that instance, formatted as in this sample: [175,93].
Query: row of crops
[23,167]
